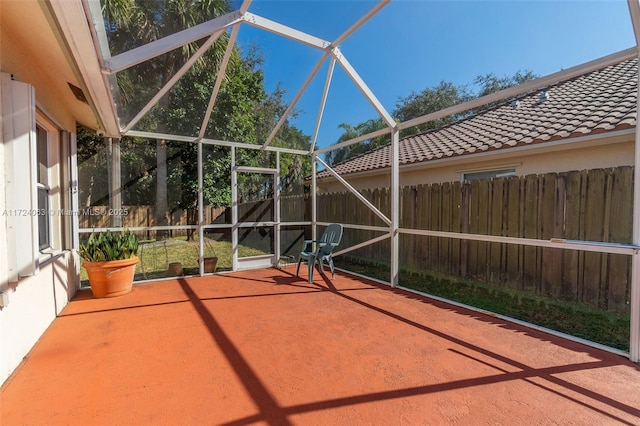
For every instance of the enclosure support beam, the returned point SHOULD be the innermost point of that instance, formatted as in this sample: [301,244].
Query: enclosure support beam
[295,100]
[156,48]
[276,212]
[395,205]
[115,182]
[362,244]
[323,101]
[355,192]
[314,191]
[222,69]
[172,81]
[355,140]
[361,85]
[634,343]
[200,212]
[234,211]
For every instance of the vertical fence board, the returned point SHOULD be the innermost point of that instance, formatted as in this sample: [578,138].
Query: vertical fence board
[495,228]
[593,222]
[551,272]
[530,258]
[426,224]
[434,213]
[620,225]
[571,261]
[465,228]
[445,225]
[474,221]
[513,266]
[483,215]
[456,211]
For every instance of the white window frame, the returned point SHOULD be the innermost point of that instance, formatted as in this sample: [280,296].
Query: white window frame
[52,182]
[42,183]
[492,173]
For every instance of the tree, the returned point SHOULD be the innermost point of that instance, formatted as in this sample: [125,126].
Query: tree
[351,132]
[429,100]
[129,23]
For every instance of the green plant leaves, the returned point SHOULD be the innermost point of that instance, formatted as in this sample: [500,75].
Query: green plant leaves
[109,245]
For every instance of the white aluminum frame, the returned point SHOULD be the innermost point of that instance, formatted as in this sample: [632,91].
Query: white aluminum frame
[166,44]
[261,261]
[634,342]
[235,19]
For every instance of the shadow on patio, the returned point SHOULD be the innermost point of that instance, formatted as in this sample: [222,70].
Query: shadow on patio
[266,347]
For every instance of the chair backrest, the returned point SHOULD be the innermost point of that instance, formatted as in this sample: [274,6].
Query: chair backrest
[332,236]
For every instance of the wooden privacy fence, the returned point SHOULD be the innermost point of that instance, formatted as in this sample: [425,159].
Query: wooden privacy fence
[139,216]
[594,205]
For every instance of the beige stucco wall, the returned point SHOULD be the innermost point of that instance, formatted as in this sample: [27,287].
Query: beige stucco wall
[590,153]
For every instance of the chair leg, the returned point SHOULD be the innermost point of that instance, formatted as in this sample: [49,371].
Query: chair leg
[333,273]
[312,265]
[298,269]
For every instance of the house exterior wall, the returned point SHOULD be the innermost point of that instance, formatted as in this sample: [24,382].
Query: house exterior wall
[33,302]
[593,153]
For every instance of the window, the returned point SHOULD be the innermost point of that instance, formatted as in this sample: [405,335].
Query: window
[44,206]
[488,174]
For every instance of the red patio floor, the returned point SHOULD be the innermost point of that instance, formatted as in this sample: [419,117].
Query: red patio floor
[265,347]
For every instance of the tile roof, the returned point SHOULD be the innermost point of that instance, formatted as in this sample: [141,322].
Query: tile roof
[597,102]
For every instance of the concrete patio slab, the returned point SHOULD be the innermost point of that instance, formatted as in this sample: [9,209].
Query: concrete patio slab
[266,347]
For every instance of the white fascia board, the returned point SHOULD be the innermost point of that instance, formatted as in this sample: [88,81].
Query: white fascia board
[166,44]
[283,30]
[74,23]
[526,87]
[364,89]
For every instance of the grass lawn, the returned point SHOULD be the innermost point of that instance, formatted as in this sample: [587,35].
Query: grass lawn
[596,325]
[156,256]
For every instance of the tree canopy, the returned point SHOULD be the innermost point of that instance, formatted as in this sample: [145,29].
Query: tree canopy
[417,104]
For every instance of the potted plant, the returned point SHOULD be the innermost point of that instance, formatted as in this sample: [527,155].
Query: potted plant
[211,260]
[110,259]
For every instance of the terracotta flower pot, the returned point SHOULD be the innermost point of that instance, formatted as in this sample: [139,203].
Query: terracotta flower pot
[111,278]
[210,264]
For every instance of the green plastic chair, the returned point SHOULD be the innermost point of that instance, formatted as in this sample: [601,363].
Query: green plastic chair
[323,250]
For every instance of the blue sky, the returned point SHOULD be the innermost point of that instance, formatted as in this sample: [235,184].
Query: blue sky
[413,44]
